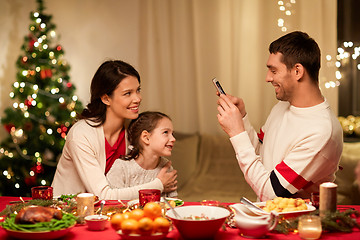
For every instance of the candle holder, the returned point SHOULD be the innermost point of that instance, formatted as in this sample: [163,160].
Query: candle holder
[42,192]
[149,195]
[85,204]
[309,227]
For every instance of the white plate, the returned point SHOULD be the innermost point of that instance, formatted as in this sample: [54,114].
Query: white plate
[136,201]
[310,208]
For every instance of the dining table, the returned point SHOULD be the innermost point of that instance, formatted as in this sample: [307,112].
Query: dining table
[80,231]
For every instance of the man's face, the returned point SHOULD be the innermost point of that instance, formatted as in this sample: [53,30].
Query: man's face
[280,77]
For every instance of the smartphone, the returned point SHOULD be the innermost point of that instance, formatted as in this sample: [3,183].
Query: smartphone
[218,86]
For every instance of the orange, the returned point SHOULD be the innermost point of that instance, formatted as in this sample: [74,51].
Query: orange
[129,226]
[152,210]
[126,215]
[146,226]
[137,214]
[161,224]
[116,220]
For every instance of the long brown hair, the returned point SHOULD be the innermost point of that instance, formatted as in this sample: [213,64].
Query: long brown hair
[146,121]
[106,79]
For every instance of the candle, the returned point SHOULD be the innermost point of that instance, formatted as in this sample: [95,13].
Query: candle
[85,204]
[309,227]
[327,197]
[149,195]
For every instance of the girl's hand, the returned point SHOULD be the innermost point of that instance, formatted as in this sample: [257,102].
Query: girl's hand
[168,178]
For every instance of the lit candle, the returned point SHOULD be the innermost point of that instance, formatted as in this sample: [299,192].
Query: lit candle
[85,204]
[327,199]
[309,227]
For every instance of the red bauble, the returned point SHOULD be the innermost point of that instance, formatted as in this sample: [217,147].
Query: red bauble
[8,127]
[30,181]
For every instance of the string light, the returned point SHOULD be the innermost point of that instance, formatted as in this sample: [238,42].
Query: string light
[285,8]
[347,50]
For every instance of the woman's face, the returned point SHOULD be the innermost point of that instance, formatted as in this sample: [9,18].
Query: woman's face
[124,102]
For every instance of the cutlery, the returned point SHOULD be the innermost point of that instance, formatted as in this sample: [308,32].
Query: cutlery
[102,203]
[252,206]
[176,214]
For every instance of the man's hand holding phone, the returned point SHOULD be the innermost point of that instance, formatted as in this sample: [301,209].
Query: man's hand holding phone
[218,86]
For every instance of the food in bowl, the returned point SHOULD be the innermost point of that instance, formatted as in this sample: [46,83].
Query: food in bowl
[96,222]
[280,204]
[208,223]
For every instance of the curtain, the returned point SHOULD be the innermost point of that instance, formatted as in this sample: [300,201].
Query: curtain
[184,44]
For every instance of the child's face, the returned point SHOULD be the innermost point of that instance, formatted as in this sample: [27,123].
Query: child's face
[162,139]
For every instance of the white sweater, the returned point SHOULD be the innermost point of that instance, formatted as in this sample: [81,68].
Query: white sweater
[301,149]
[81,167]
[128,173]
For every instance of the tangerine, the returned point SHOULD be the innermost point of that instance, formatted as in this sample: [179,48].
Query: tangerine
[146,226]
[129,226]
[152,210]
[126,215]
[116,220]
[161,224]
[136,214]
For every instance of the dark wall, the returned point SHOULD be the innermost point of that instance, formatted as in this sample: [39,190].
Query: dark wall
[348,29]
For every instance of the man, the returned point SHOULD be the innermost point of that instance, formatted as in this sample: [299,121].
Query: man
[299,146]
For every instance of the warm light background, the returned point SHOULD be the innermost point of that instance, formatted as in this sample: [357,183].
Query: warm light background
[178,46]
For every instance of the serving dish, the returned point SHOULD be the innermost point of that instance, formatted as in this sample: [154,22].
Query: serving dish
[153,236]
[39,235]
[310,208]
[198,221]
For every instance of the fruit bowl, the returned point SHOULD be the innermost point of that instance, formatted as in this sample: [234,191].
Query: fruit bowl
[198,222]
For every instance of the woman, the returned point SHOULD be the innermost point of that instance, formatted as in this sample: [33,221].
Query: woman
[95,141]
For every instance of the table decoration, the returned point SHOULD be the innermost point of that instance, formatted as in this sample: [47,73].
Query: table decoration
[85,204]
[42,192]
[149,195]
[328,197]
[309,227]
[338,221]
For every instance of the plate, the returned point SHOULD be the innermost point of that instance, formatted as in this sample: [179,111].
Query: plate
[136,201]
[142,237]
[310,208]
[58,198]
[38,235]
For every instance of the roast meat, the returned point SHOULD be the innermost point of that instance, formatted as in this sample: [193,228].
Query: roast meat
[34,214]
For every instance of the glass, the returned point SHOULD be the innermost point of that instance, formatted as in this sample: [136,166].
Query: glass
[315,197]
[42,192]
[309,227]
[149,195]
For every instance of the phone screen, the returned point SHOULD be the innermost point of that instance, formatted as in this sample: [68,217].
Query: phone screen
[218,86]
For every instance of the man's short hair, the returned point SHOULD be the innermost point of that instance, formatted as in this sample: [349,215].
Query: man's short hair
[298,47]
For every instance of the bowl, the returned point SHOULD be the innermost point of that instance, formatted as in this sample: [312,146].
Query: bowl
[198,229]
[96,222]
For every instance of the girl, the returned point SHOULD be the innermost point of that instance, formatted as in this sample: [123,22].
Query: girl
[95,141]
[151,138]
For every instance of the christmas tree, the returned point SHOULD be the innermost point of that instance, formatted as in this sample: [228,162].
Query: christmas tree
[43,109]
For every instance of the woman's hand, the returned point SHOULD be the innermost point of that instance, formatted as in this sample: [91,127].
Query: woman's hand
[168,178]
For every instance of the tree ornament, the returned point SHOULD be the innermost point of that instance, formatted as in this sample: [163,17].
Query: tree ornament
[9,126]
[30,180]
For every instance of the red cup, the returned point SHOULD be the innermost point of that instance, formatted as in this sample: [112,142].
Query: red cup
[42,192]
[149,195]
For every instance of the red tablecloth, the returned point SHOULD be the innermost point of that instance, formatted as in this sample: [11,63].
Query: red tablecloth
[80,232]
